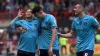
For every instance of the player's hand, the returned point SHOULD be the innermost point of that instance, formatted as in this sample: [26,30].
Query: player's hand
[58,33]
[20,13]
[20,29]
[50,52]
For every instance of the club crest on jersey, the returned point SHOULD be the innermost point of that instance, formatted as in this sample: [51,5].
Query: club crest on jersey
[46,22]
[85,23]
[35,25]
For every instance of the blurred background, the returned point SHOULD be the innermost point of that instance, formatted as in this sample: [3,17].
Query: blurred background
[63,12]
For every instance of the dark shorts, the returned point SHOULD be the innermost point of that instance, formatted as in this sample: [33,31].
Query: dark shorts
[24,53]
[44,52]
[85,53]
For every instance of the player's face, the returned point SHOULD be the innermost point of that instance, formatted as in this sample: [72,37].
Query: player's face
[77,9]
[28,13]
[39,14]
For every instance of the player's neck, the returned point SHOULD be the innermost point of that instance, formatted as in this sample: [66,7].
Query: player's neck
[82,14]
[44,14]
[29,18]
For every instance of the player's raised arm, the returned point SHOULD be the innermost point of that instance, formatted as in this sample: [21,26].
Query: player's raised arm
[20,14]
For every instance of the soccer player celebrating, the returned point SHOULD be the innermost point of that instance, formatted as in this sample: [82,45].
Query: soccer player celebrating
[48,38]
[29,33]
[84,27]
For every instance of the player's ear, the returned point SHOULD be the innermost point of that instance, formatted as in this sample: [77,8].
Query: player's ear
[41,11]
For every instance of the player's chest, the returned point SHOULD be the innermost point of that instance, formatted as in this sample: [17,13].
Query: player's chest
[82,25]
[30,25]
[45,23]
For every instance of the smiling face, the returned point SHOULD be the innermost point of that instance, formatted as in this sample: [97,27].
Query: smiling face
[78,9]
[28,13]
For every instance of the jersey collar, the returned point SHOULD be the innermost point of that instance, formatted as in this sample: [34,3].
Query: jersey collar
[82,17]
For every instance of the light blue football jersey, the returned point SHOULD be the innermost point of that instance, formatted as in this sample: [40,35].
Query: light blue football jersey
[85,32]
[29,37]
[47,24]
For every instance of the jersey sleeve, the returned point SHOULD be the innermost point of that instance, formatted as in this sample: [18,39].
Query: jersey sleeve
[53,22]
[73,25]
[13,22]
[94,22]
[18,24]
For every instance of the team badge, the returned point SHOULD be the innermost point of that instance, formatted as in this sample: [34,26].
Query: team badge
[35,25]
[85,23]
[46,22]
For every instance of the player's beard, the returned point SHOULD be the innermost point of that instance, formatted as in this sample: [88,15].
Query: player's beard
[29,17]
[78,13]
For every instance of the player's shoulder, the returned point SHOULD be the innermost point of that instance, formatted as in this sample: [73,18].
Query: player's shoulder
[21,21]
[89,17]
[36,19]
[76,18]
[49,15]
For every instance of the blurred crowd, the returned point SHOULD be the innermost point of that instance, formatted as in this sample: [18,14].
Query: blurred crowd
[56,7]
[92,6]
[48,5]
[8,43]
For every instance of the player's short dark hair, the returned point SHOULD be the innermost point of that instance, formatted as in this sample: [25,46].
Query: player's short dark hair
[81,5]
[37,9]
